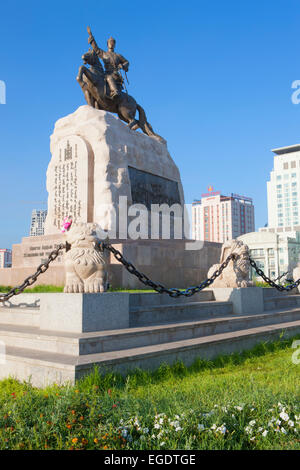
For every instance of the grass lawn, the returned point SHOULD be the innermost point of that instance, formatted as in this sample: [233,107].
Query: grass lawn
[248,401]
[49,288]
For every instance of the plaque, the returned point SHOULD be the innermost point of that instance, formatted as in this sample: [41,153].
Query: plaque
[147,189]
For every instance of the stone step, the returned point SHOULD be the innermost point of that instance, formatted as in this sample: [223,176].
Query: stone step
[114,340]
[47,368]
[281,302]
[172,312]
[22,316]
[143,299]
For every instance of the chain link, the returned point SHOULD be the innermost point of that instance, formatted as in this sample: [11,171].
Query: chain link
[160,288]
[272,283]
[42,268]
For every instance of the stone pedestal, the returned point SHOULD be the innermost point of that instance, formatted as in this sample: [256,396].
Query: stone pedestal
[83,313]
[247,300]
[96,160]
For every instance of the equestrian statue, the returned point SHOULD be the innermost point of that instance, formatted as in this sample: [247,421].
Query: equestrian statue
[103,86]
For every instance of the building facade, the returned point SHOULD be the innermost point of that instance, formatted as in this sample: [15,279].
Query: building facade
[37,225]
[284,190]
[277,254]
[218,218]
[5,258]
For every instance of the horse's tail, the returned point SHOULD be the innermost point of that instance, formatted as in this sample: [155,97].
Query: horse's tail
[145,125]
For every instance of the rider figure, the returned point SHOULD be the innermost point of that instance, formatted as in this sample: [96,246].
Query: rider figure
[113,62]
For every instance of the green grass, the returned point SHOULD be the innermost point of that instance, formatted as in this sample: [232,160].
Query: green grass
[36,289]
[227,403]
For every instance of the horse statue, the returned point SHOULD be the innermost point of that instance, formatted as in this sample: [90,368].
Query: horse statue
[96,91]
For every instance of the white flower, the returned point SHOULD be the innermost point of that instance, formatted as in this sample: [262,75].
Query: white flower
[222,429]
[162,443]
[278,422]
[252,423]
[283,431]
[248,430]
[265,433]
[145,430]
[213,427]
[291,423]
[284,416]
[178,429]
[161,421]
[201,427]
[239,408]
[157,426]
[260,429]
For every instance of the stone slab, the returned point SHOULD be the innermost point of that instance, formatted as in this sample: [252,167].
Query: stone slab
[81,313]
[247,300]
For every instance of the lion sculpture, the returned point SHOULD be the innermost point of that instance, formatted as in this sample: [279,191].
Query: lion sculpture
[236,274]
[86,262]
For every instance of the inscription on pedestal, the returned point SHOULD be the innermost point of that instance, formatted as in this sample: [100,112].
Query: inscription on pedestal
[148,189]
[69,184]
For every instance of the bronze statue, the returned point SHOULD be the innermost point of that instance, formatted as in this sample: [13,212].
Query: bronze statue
[103,87]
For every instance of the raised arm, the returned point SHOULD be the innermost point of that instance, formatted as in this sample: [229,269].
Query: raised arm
[94,45]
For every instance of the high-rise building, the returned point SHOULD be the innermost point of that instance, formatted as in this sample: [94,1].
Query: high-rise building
[5,258]
[218,218]
[38,218]
[284,190]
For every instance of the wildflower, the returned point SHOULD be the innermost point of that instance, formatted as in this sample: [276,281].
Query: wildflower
[84,441]
[157,426]
[114,406]
[69,426]
[291,423]
[239,408]
[73,412]
[222,429]
[75,440]
[200,427]
[283,430]
[96,440]
[252,423]
[265,433]
[284,416]
[146,430]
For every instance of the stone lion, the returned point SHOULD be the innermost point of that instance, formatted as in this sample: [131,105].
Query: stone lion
[236,274]
[86,262]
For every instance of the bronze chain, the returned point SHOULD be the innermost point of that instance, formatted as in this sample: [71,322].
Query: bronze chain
[272,283]
[160,288]
[31,279]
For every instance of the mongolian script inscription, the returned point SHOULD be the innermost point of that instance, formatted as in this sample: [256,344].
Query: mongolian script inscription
[67,183]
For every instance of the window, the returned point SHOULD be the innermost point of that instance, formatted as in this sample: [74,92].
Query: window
[293,164]
[294,175]
[285,166]
[278,177]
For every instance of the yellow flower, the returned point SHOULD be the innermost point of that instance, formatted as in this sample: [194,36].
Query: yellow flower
[96,441]
[84,441]
[75,440]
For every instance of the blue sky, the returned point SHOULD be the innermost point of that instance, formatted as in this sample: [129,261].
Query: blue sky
[213,76]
